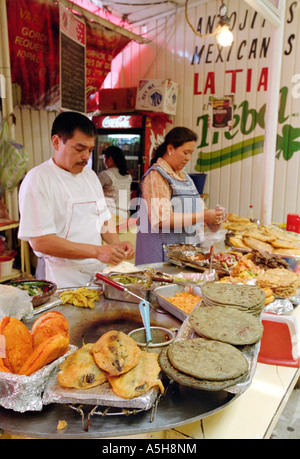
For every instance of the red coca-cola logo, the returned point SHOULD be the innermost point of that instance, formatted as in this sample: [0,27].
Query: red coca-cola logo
[122,121]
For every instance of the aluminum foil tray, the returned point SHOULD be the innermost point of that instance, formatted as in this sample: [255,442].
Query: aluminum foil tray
[24,393]
[161,293]
[102,395]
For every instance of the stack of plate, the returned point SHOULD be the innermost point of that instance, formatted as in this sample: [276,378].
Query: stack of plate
[248,298]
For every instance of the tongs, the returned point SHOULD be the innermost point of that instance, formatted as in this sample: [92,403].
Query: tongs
[143,306]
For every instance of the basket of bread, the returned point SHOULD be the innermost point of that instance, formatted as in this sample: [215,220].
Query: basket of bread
[28,357]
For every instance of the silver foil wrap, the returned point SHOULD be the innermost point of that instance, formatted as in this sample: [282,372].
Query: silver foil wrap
[24,393]
[101,395]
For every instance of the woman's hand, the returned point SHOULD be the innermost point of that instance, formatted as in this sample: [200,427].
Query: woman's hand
[214,218]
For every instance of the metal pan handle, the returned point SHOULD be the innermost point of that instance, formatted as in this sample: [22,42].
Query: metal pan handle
[109,281]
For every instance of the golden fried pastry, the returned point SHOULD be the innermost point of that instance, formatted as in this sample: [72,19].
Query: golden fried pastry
[235,218]
[256,244]
[115,352]
[48,351]
[140,379]
[283,251]
[3,367]
[79,370]
[18,343]
[238,242]
[47,325]
[260,235]
[285,244]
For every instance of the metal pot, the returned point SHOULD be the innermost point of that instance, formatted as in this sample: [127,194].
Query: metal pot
[161,338]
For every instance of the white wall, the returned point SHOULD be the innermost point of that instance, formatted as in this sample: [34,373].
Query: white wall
[235,183]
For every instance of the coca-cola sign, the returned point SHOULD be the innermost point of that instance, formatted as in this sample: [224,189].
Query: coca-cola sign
[118,121]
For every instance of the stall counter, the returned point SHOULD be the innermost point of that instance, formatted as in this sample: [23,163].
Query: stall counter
[254,414]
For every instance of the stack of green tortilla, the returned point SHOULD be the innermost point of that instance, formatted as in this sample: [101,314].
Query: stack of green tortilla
[204,364]
[247,298]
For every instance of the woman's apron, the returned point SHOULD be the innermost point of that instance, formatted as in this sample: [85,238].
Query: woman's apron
[185,199]
[83,224]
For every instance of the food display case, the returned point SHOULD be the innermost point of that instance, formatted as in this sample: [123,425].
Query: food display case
[137,134]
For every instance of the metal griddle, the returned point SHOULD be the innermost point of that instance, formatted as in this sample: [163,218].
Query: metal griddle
[180,405]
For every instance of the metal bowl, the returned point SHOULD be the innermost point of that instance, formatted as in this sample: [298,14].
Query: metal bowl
[161,338]
[47,287]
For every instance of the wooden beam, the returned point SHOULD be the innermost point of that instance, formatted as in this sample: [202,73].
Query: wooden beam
[99,20]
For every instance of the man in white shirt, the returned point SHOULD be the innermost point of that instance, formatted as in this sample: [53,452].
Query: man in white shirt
[63,213]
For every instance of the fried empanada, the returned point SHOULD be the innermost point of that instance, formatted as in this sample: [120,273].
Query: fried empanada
[18,343]
[259,245]
[3,367]
[47,325]
[115,352]
[45,353]
[237,242]
[138,380]
[79,370]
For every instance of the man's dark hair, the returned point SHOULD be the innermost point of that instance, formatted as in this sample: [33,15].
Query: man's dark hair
[65,124]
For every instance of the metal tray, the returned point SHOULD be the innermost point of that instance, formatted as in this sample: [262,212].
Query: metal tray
[161,293]
[180,405]
[111,293]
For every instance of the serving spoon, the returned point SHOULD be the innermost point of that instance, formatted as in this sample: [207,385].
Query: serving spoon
[143,305]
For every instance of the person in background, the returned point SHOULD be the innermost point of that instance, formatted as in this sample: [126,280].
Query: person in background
[116,182]
[63,213]
[171,209]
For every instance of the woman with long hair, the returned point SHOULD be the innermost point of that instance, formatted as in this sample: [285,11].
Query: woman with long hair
[116,182]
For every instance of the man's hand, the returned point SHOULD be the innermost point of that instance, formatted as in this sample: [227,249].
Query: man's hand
[110,254]
[129,249]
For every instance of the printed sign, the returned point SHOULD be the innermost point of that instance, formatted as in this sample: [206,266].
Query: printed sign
[72,61]
[34,42]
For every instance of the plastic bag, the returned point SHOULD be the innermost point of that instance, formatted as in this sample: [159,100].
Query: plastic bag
[13,160]
[217,240]
[15,303]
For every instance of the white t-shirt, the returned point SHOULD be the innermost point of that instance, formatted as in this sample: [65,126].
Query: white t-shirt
[43,198]
[117,191]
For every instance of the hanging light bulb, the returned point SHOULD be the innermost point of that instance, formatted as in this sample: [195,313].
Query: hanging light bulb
[224,36]
[223,32]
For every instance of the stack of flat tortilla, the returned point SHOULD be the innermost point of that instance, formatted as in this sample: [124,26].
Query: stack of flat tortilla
[227,325]
[204,364]
[191,381]
[247,298]
[227,317]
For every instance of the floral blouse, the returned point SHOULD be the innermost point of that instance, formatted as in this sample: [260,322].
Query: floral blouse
[157,193]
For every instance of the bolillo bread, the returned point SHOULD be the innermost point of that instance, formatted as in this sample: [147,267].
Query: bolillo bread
[48,351]
[18,343]
[47,325]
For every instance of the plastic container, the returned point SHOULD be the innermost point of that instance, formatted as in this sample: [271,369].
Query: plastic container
[250,213]
[6,264]
[293,223]
[279,343]
[199,181]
